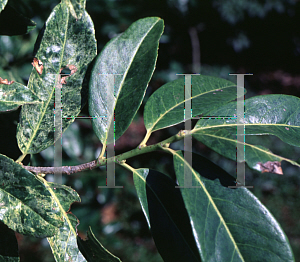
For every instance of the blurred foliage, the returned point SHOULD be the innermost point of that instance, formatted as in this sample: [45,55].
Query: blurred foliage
[259,37]
[234,11]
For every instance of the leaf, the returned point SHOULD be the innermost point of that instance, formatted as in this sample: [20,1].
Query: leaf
[15,94]
[73,142]
[132,54]
[8,244]
[14,23]
[167,217]
[10,74]
[93,250]
[223,143]
[230,224]
[277,115]
[165,107]
[26,206]
[65,41]
[77,7]
[139,178]
[2,4]
[63,244]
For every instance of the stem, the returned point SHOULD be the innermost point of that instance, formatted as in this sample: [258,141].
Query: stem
[148,134]
[128,167]
[102,152]
[169,150]
[101,162]
[21,158]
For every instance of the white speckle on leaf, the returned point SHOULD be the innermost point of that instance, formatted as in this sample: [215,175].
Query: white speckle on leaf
[253,119]
[55,48]
[287,128]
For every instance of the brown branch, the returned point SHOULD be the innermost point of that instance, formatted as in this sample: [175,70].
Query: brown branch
[95,163]
[64,169]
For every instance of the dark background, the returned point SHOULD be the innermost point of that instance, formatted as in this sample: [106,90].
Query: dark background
[208,37]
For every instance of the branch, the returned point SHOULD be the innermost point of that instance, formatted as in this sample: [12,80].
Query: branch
[102,162]
[64,169]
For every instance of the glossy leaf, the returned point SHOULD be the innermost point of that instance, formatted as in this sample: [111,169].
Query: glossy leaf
[65,42]
[132,54]
[2,4]
[225,144]
[26,205]
[230,224]
[8,244]
[93,250]
[63,244]
[139,178]
[167,217]
[14,23]
[72,142]
[264,115]
[165,107]
[14,95]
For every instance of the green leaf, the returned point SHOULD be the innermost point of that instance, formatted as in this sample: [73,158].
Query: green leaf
[165,107]
[132,54]
[8,244]
[14,23]
[93,250]
[77,7]
[139,178]
[2,4]
[9,74]
[230,224]
[26,205]
[65,42]
[277,115]
[166,215]
[256,156]
[63,243]
[73,143]
[14,95]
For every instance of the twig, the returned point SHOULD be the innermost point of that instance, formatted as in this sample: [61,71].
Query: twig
[101,162]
